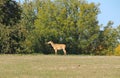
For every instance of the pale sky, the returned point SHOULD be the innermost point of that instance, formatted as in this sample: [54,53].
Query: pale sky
[109,11]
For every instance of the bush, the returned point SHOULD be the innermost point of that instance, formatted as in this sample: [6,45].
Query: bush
[117,51]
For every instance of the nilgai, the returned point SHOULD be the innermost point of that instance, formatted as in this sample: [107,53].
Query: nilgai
[58,47]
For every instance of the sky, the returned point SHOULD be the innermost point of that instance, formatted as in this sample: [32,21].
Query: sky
[109,11]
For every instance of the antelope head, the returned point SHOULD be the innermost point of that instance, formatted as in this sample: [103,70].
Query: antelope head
[50,42]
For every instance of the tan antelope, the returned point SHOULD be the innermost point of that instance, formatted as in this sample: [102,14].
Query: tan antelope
[58,47]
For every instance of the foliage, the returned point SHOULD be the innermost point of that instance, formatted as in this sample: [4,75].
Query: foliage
[27,27]
[117,51]
[11,39]
[107,40]
[12,33]
[10,12]
[28,16]
[4,44]
[68,22]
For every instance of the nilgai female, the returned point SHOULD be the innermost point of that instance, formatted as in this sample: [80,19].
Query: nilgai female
[58,47]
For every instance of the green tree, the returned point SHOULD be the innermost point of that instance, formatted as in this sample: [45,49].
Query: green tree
[45,25]
[89,25]
[109,39]
[4,44]
[71,22]
[11,31]
[10,13]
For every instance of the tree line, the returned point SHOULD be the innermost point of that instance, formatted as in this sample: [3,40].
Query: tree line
[26,27]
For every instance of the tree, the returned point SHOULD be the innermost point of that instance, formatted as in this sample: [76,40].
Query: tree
[117,51]
[12,33]
[107,40]
[29,10]
[4,44]
[71,22]
[10,13]
[87,27]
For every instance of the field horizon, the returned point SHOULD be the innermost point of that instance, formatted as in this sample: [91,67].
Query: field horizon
[59,66]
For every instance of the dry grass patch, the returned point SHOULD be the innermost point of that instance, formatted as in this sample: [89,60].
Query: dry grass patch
[51,66]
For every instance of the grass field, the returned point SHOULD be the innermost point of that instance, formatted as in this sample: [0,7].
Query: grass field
[53,66]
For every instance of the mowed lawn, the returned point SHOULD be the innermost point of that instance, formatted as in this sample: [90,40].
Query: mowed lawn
[59,66]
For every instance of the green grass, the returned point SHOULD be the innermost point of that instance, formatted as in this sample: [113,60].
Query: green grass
[56,66]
